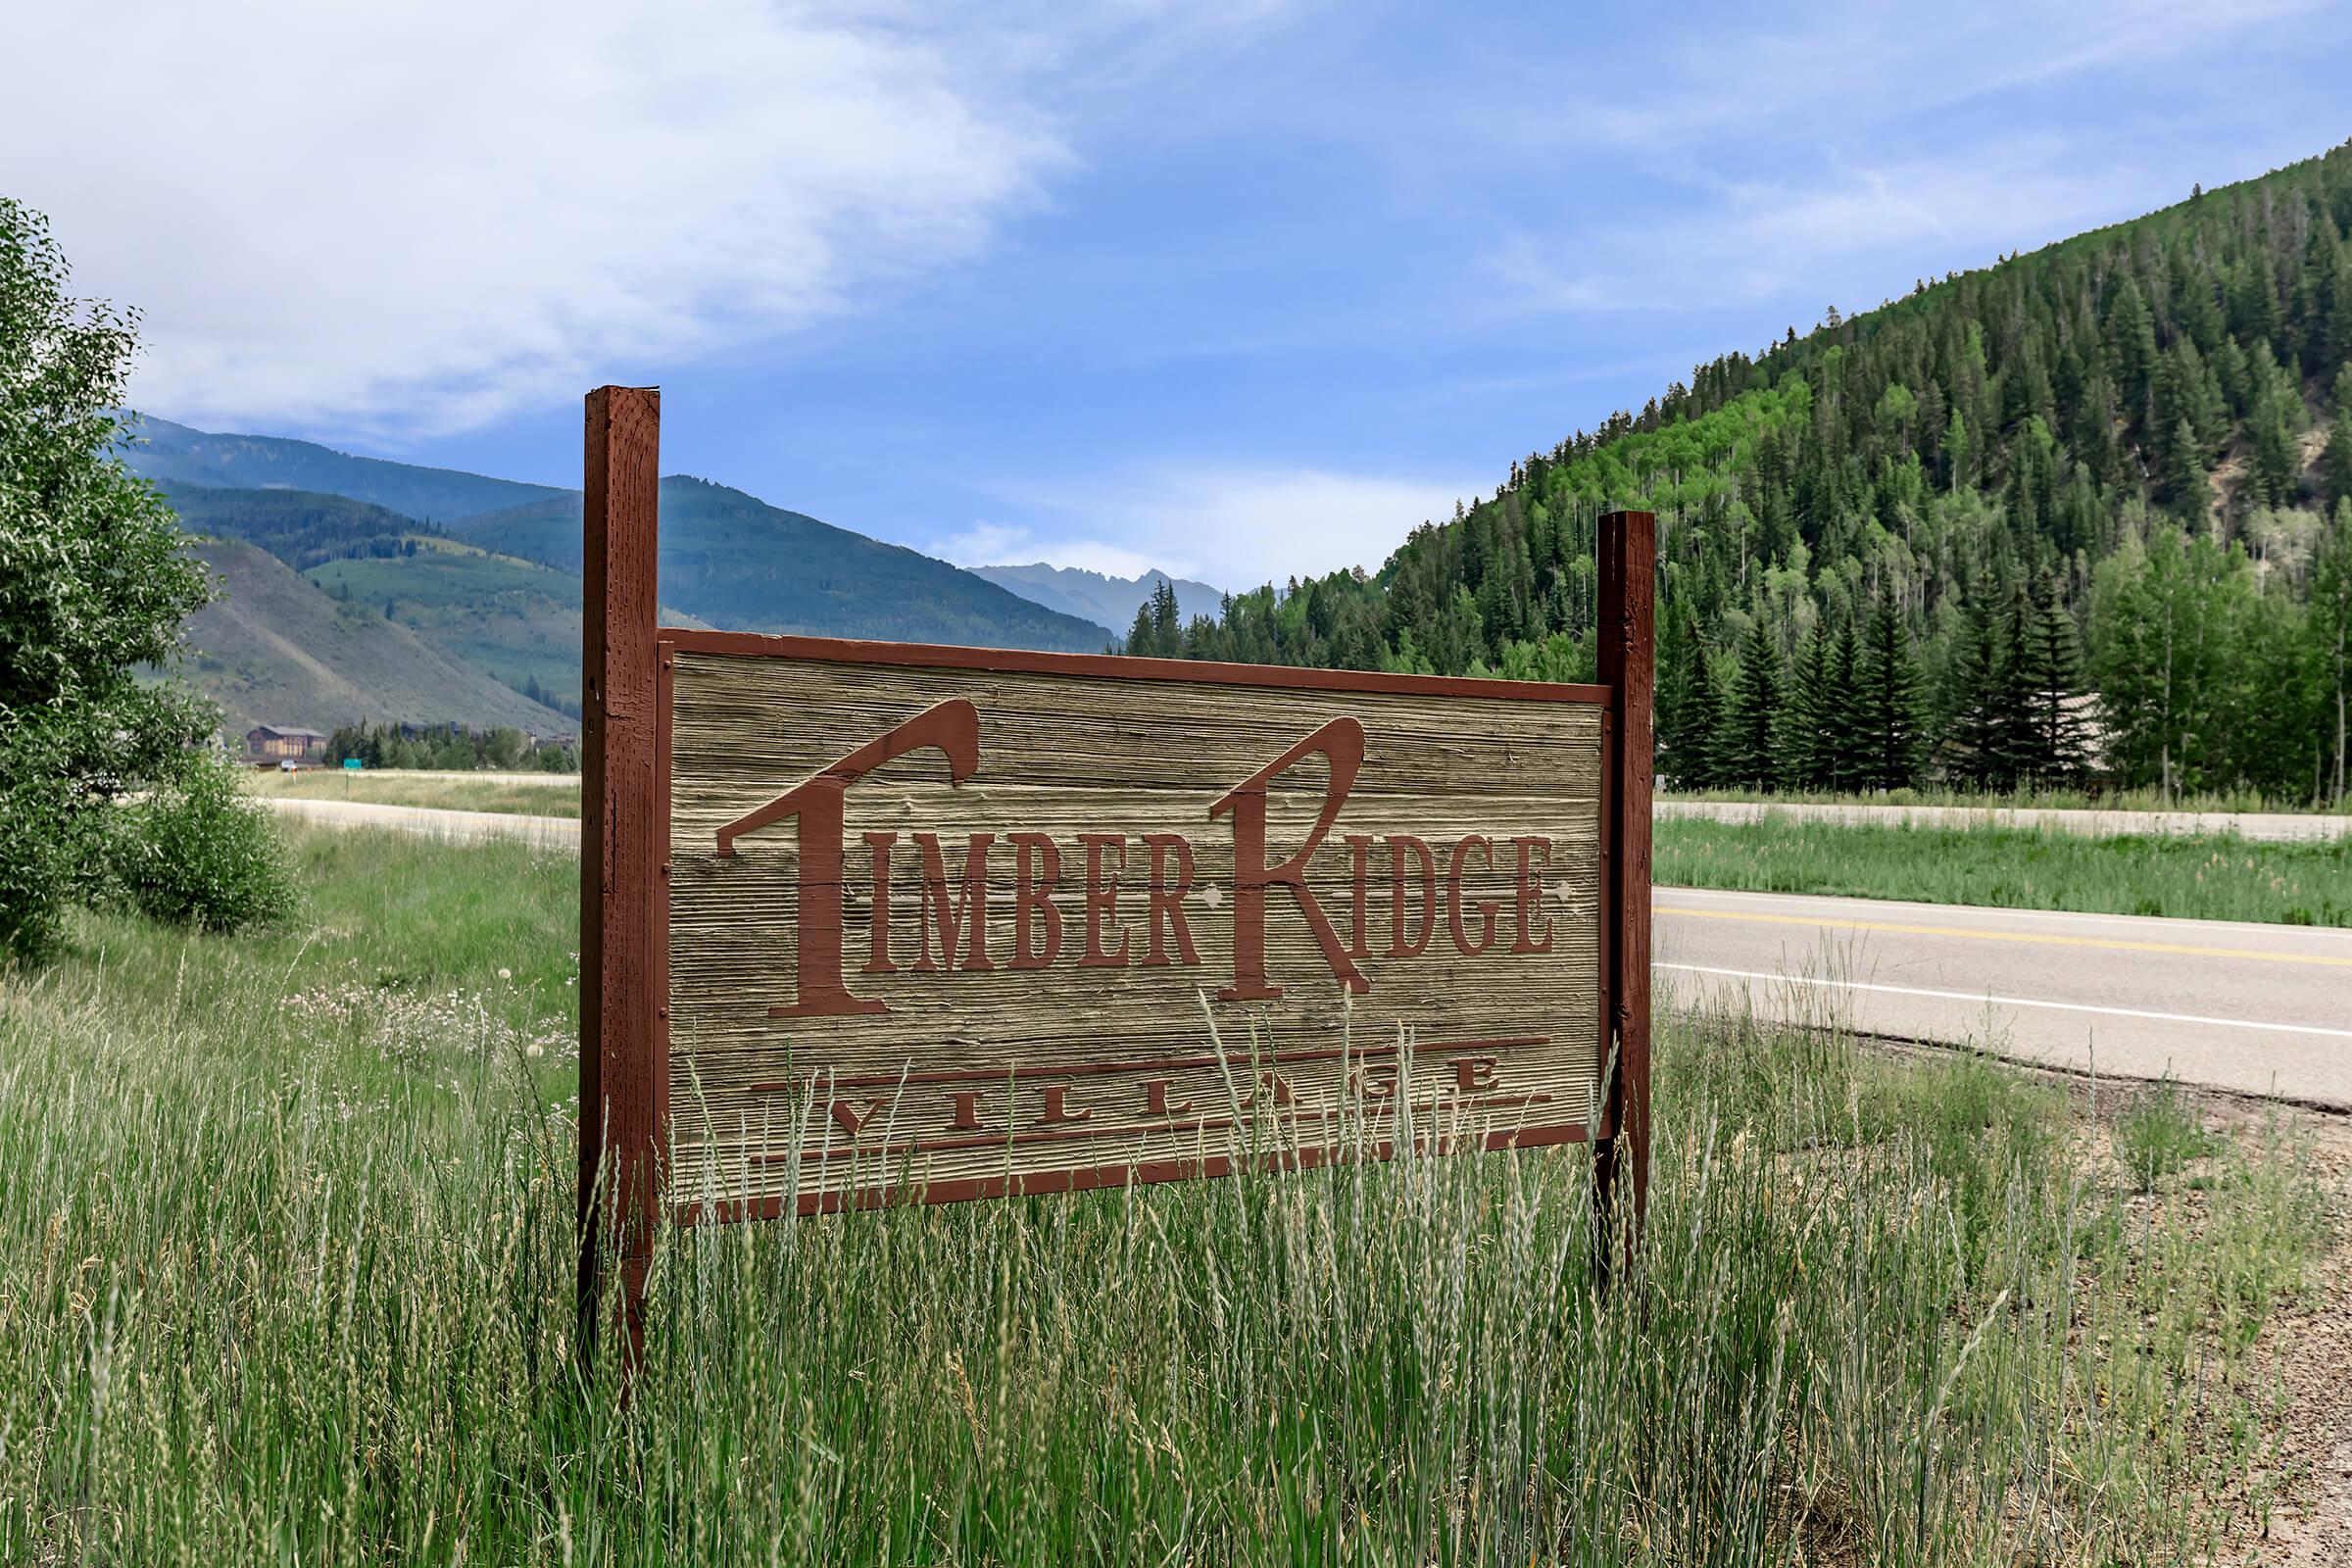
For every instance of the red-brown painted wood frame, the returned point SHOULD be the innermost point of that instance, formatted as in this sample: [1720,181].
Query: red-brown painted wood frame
[624,814]
[934,655]
[628,663]
[1626,624]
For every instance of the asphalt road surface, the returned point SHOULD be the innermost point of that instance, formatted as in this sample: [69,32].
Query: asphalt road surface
[2264,1009]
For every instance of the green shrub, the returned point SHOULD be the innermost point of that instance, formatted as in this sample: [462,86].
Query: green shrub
[201,853]
[2158,1133]
[36,869]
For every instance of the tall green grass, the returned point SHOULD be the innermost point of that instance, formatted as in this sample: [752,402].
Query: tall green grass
[291,1280]
[2057,800]
[2208,877]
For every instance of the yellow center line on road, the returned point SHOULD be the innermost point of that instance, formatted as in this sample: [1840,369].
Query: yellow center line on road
[2042,937]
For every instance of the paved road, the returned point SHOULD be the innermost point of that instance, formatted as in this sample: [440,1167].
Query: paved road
[2258,1008]
[2272,826]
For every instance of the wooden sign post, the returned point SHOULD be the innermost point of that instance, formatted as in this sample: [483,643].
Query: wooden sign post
[871,922]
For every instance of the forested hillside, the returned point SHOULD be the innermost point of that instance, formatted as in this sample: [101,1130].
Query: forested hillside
[2088,507]
[300,527]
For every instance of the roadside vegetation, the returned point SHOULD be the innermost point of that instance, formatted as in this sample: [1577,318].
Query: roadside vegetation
[94,582]
[554,795]
[2203,876]
[292,1219]
[2038,799]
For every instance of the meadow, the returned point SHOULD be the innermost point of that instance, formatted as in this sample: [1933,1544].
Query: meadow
[2216,876]
[526,794]
[291,1224]
[2051,799]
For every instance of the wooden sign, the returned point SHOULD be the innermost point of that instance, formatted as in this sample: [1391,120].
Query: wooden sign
[871,922]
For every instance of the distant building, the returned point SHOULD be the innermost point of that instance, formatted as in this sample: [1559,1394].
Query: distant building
[284,743]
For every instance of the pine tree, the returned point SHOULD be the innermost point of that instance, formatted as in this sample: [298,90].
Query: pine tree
[2132,347]
[1751,751]
[1814,742]
[1692,762]
[2336,466]
[1892,707]
[1677,670]
[1168,631]
[1982,726]
[2180,471]
[1852,750]
[2017,735]
[2277,452]
[2049,659]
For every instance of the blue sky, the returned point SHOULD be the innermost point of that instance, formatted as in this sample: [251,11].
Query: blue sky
[1240,289]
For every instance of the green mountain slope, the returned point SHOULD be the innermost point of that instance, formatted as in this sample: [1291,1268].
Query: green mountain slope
[169,451]
[516,622]
[733,561]
[274,649]
[301,528]
[2117,466]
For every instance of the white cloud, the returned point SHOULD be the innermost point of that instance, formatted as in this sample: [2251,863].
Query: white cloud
[1763,238]
[1235,526]
[1856,63]
[420,215]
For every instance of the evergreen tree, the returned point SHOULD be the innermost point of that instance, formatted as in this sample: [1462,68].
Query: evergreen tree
[1156,632]
[1166,626]
[1752,752]
[1976,746]
[1850,733]
[1892,706]
[1815,746]
[2336,464]
[2275,422]
[1692,763]
[2049,661]
[2181,471]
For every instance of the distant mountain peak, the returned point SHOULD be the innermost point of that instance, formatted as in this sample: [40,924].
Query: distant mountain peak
[1109,601]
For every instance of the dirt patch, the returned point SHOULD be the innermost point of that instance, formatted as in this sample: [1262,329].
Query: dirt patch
[2313,1341]
[2307,1338]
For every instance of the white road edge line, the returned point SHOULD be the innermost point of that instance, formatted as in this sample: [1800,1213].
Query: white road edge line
[2011,1001]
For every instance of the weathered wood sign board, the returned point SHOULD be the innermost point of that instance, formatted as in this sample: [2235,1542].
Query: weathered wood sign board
[956,921]
[876,922]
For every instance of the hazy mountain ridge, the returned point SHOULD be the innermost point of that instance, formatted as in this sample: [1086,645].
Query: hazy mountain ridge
[734,561]
[175,452]
[1108,602]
